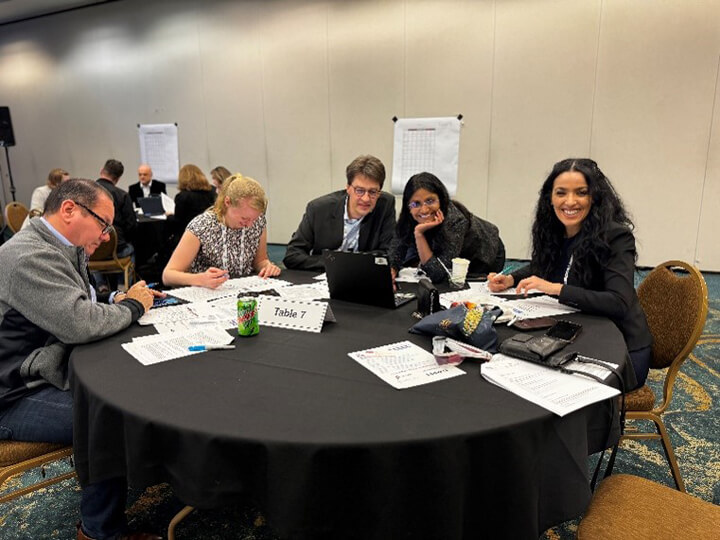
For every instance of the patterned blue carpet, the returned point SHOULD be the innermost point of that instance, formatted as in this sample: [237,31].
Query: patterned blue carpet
[693,422]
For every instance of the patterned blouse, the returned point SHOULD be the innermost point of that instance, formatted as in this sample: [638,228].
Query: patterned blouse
[233,250]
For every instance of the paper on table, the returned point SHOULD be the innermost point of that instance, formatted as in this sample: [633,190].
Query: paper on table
[469,295]
[409,275]
[404,365]
[482,286]
[540,306]
[557,392]
[230,288]
[161,347]
[314,291]
[168,314]
[321,277]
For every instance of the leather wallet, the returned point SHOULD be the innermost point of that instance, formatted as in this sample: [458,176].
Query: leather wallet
[539,349]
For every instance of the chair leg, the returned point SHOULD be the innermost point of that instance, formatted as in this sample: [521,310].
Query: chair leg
[669,454]
[182,514]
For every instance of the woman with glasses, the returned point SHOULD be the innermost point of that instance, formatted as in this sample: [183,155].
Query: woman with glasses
[584,253]
[227,241]
[432,230]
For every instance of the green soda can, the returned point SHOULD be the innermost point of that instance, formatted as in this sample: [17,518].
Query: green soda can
[248,324]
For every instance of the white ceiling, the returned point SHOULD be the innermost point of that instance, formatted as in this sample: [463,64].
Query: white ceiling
[17,10]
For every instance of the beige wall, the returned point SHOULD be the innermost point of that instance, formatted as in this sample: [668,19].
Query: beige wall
[289,92]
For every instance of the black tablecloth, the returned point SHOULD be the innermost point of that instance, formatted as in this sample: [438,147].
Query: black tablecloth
[325,448]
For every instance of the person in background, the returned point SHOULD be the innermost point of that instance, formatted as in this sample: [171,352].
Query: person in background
[432,230]
[584,253]
[40,194]
[218,175]
[125,222]
[227,241]
[146,186]
[195,195]
[46,307]
[360,217]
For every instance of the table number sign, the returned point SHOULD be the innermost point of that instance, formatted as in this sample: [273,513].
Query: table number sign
[282,312]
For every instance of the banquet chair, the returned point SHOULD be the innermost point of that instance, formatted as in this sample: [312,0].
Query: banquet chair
[18,456]
[676,305]
[15,214]
[106,261]
[627,506]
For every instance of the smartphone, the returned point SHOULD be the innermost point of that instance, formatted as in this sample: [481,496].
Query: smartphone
[564,330]
[167,301]
[534,324]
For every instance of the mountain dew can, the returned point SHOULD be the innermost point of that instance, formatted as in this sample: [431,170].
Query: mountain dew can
[248,324]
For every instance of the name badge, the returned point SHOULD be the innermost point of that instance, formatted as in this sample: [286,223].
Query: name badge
[281,312]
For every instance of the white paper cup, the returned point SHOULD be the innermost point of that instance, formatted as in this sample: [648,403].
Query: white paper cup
[459,270]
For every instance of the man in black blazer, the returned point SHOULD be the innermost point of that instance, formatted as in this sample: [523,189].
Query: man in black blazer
[360,217]
[125,222]
[146,185]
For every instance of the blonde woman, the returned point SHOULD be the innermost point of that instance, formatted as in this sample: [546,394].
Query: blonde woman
[227,241]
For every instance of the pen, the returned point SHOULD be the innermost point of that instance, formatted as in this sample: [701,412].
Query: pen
[445,268]
[195,348]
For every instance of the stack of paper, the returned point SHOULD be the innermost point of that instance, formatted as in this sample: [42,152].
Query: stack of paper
[561,393]
[161,347]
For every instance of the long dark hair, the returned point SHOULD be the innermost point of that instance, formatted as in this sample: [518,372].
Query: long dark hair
[423,180]
[548,233]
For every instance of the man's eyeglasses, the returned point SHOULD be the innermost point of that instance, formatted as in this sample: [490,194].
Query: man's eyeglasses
[360,192]
[107,227]
[414,205]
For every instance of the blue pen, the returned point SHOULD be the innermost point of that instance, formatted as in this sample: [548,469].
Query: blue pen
[196,348]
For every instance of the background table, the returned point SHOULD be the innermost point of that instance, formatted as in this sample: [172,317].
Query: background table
[325,448]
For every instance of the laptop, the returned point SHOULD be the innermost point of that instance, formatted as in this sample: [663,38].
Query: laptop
[362,278]
[151,206]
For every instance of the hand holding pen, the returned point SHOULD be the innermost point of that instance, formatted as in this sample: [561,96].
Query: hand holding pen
[498,282]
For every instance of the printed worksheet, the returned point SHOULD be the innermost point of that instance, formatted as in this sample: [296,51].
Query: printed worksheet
[404,365]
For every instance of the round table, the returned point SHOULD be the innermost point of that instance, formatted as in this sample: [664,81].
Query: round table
[325,448]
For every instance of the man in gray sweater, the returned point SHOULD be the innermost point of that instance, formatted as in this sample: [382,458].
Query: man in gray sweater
[47,305]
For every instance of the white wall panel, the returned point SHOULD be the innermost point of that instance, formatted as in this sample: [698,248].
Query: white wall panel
[708,249]
[656,85]
[543,87]
[366,66]
[232,87]
[449,72]
[295,90]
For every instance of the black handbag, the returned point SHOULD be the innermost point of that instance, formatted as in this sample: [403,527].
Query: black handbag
[428,298]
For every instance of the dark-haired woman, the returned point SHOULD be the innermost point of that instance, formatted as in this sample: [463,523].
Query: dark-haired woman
[432,230]
[584,253]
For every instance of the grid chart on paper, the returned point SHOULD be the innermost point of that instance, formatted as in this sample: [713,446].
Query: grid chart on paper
[418,151]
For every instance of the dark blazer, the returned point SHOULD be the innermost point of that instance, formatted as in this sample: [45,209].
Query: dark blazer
[125,222]
[322,228]
[611,291]
[189,204]
[156,188]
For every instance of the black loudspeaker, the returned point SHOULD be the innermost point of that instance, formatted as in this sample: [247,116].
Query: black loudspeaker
[6,131]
